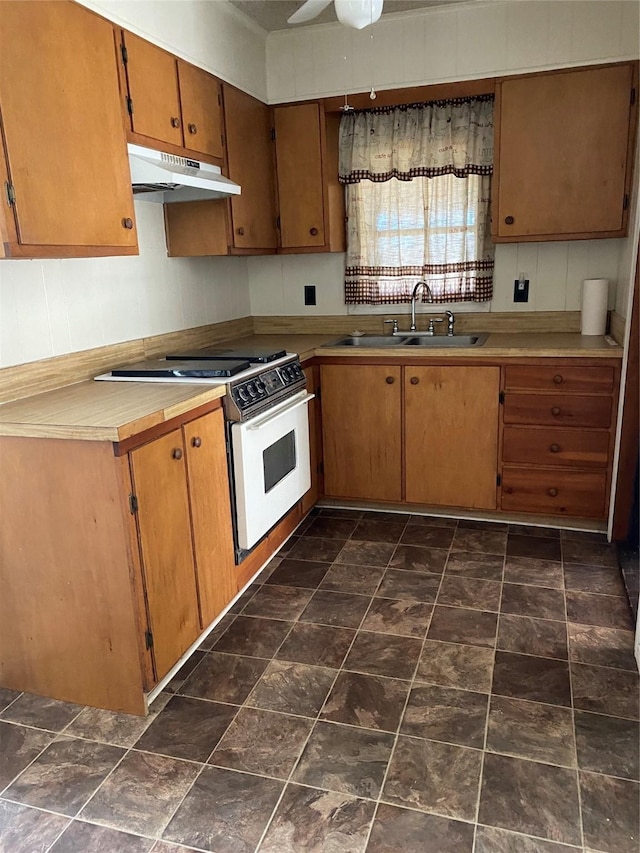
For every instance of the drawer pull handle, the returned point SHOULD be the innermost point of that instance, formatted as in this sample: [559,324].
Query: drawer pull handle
[196,442]
[390,380]
[192,128]
[127,223]
[313,231]
[509,220]
[175,121]
[509,490]
[414,380]
[558,379]
[177,453]
[555,410]
[555,448]
[552,492]
[240,231]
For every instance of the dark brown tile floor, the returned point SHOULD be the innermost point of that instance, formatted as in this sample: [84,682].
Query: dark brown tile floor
[389,683]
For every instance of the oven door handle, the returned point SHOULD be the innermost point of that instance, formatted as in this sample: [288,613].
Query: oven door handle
[258,423]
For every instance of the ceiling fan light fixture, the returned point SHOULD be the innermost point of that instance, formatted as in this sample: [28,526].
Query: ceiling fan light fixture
[358,13]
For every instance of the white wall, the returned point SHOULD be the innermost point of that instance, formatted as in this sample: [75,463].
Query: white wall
[465,41]
[54,307]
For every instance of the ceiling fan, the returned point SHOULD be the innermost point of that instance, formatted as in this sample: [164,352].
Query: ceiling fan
[351,13]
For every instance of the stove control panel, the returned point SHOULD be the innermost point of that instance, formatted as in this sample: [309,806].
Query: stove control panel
[267,388]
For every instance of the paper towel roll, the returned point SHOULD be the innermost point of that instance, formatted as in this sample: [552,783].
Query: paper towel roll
[595,297]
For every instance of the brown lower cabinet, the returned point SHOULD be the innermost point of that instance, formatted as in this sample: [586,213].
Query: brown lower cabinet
[524,436]
[113,558]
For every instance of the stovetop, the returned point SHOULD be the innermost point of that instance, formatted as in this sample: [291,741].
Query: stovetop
[161,369]
[253,354]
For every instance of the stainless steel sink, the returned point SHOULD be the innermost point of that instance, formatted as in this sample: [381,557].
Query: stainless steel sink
[424,341]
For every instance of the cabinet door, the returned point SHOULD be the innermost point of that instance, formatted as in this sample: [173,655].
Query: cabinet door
[64,140]
[201,110]
[250,159]
[451,435]
[299,175]
[361,428]
[160,483]
[210,513]
[152,76]
[562,153]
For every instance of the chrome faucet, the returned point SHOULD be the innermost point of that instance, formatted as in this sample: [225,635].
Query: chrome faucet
[412,327]
[451,320]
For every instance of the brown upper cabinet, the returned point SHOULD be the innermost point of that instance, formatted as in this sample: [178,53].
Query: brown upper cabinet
[564,153]
[170,101]
[64,166]
[310,198]
[246,223]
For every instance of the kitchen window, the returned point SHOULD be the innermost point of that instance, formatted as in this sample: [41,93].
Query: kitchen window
[418,181]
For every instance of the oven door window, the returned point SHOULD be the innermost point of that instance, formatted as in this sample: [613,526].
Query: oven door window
[278,460]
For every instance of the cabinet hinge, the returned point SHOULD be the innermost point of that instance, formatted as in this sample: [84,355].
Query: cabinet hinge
[129,105]
[499,479]
[133,504]
[222,139]
[125,55]
[11,193]
[633,96]
[273,134]
[148,639]
[625,202]
[501,398]
[278,222]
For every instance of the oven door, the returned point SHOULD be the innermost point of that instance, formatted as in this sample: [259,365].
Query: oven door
[271,466]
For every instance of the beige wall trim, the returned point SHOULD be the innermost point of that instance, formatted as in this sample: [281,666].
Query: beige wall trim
[617,326]
[23,380]
[540,322]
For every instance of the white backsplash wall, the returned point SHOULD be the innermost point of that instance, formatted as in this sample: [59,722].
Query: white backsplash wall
[460,42]
[555,272]
[53,307]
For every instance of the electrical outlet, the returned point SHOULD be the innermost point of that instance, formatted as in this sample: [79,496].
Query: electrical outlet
[309,294]
[521,290]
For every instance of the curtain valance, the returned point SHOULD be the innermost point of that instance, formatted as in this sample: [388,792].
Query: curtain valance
[452,137]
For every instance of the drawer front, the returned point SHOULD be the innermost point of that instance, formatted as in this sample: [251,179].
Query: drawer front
[574,448]
[559,410]
[597,380]
[553,492]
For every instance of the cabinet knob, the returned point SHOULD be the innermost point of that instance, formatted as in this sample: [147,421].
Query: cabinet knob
[177,453]
[555,410]
[196,442]
[240,231]
[390,380]
[509,220]
[127,223]
[558,379]
[175,121]
[313,231]
[555,448]
[192,128]
[509,490]
[552,492]
[414,380]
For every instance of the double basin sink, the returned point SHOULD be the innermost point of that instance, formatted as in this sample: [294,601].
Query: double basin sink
[423,341]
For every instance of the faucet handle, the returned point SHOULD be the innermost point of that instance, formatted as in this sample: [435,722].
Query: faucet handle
[395,328]
[433,320]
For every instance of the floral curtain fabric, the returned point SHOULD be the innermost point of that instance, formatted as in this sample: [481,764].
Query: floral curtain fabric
[418,181]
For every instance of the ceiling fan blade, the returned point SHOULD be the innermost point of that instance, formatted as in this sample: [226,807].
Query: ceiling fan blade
[308,11]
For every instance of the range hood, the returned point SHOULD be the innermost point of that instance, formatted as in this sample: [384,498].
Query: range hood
[163,178]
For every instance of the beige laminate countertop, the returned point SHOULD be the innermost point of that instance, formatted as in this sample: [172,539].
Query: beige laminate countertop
[113,411]
[102,411]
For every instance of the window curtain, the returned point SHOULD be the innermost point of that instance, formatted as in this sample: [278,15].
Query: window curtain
[418,182]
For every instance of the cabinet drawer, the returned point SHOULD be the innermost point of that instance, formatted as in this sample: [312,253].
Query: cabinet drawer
[556,409]
[554,492]
[598,380]
[574,448]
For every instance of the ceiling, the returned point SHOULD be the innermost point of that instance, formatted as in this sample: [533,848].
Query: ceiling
[272,14]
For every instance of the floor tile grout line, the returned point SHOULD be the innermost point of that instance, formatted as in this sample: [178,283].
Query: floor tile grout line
[488,711]
[573,718]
